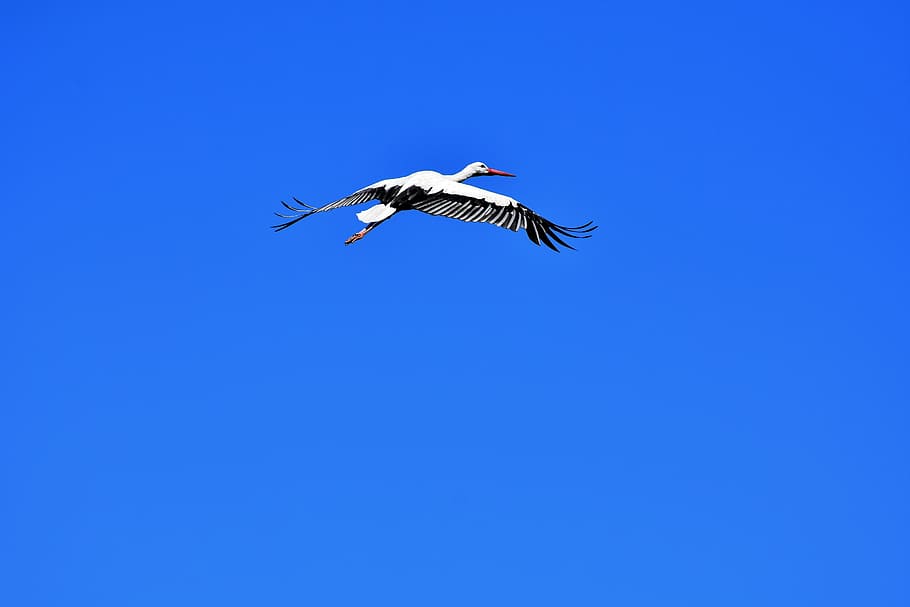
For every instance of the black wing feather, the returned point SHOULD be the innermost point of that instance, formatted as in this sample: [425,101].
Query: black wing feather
[359,197]
[465,208]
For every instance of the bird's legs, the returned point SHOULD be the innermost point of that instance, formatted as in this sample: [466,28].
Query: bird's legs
[357,236]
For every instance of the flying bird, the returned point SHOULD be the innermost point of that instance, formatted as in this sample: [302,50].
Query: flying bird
[447,195]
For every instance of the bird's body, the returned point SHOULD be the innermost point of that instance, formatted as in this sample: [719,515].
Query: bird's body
[438,194]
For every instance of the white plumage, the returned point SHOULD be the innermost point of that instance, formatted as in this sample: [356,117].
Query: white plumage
[438,194]
[379,212]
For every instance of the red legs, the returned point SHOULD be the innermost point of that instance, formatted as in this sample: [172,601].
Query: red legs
[355,237]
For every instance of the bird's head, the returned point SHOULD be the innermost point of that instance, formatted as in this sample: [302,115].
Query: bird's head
[476,169]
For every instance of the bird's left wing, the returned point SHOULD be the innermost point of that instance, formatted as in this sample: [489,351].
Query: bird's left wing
[468,203]
[382,190]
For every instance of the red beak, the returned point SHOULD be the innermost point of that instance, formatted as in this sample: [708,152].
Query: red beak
[498,172]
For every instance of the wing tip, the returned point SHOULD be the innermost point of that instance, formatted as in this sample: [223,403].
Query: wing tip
[301,214]
[540,229]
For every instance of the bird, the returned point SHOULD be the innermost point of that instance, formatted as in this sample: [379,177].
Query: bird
[435,193]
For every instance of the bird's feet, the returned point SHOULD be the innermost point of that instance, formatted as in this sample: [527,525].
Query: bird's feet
[355,237]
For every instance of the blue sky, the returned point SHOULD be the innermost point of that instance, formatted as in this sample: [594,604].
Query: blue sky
[705,405]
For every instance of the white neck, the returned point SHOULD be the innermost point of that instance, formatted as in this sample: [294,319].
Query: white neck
[462,174]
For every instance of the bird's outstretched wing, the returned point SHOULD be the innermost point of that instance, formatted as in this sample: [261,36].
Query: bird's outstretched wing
[383,190]
[468,203]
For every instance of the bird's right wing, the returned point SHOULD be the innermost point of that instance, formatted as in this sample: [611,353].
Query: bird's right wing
[382,190]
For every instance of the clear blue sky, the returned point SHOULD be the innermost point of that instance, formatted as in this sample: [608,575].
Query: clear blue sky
[707,404]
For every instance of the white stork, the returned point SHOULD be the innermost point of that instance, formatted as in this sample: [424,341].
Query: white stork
[446,195]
